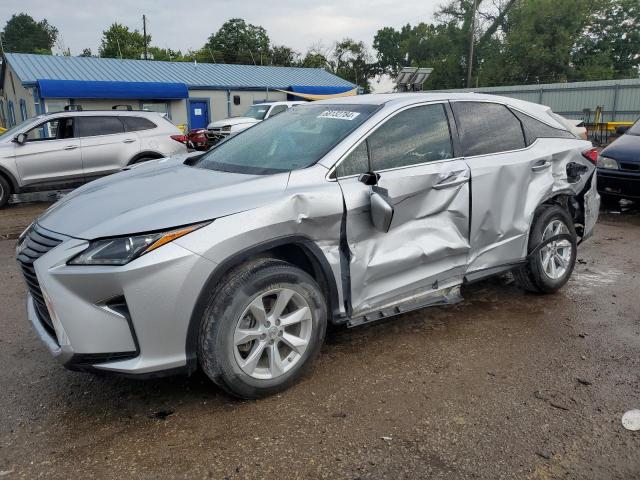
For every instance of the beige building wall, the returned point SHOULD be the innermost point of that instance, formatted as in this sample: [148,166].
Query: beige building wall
[14,91]
[218,100]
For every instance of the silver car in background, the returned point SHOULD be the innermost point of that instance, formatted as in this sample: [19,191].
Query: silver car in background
[344,211]
[63,150]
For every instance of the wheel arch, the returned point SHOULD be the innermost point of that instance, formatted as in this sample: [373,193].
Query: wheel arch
[15,187]
[151,154]
[298,250]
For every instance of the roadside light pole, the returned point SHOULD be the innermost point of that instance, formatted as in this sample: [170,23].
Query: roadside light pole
[472,37]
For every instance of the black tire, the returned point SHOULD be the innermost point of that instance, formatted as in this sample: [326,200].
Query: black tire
[216,346]
[532,276]
[5,191]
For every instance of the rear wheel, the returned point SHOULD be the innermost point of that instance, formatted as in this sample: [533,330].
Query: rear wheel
[262,329]
[548,269]
[5,191]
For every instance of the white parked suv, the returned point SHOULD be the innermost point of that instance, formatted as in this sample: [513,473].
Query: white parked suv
[63,150]
[221,129]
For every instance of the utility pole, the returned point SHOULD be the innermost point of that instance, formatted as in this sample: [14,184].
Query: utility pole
[472,38]
[144,33]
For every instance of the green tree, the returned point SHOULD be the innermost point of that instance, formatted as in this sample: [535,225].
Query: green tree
[86,52]
[165,54]
[22,34]
[120,42]
[609,46]
[239,42]
[283,56]
[351,60]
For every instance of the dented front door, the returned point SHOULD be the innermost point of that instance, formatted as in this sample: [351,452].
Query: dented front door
[427,244]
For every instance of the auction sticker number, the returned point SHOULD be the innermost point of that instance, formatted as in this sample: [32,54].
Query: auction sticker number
[339,114]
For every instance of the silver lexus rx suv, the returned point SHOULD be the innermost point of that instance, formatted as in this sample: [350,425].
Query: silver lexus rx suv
[344,211]
[63,150]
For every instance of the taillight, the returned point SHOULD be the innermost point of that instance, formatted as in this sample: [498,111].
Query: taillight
[179,138]
[591,155]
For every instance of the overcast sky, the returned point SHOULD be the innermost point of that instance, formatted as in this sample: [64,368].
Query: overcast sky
[187,25]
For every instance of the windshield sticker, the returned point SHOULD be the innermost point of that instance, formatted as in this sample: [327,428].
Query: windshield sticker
[339,114]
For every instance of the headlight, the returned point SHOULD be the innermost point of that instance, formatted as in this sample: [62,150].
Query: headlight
[226,128]
[121,250]
[606,162]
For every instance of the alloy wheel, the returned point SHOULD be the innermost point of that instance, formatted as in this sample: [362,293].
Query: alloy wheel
[273,333]
[555,256]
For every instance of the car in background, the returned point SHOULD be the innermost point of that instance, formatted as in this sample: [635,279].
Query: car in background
[63,150]
[619,167]
[220,129]
[341,211]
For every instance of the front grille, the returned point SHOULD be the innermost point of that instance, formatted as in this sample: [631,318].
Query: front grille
[632,167]
[35,243]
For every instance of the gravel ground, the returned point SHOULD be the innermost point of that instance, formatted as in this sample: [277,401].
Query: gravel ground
[504,385]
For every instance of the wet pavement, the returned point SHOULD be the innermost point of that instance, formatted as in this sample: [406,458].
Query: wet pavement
[504,385]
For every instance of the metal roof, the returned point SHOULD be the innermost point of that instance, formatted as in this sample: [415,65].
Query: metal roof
[30,67]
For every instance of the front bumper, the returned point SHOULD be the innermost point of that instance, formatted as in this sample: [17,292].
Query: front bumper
[619,183]
[131,319]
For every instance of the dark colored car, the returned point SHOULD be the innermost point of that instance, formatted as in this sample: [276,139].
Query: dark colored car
[619,167]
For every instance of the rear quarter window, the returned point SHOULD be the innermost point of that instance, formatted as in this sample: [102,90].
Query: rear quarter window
[486,127]
[534,129]
[136,124]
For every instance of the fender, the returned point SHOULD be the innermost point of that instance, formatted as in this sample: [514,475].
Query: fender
[312,250]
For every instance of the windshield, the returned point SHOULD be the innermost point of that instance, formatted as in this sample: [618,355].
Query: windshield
[257,111]
[635,128]
[295,139]
[13,131]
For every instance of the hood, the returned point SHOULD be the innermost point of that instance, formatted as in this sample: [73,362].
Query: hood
[158,196]
[624,149]
[232,121]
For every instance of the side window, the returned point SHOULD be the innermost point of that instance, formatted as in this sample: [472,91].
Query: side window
[136,124]
[487,128]
[417,135]
[534,129]
[356,163]
[93,126]
[56,129]
[277,109]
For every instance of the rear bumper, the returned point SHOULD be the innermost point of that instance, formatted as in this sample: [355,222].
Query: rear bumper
[619,183]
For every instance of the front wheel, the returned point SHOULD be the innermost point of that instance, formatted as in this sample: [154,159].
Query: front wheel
[549,267]
[262,328]
[5,191]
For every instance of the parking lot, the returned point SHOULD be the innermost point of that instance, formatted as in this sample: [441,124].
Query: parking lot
[504,385]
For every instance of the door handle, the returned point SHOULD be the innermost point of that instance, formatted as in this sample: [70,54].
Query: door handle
[541,165]
[70,147]
[128,140]
[451,182]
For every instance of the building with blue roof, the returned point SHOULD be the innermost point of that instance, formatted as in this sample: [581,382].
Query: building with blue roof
[192,94]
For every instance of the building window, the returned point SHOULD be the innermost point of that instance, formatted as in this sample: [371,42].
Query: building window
[161,107]
[56,105]
[3,118]
[11,113]
[23,110]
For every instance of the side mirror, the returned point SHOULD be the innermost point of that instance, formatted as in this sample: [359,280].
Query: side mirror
[622,129]
[381,211]
[370,178]
[21,139]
